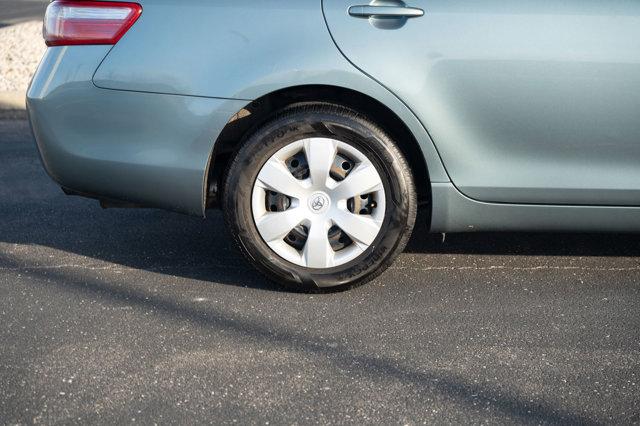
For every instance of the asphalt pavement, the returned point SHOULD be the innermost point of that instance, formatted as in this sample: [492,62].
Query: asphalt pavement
[146,316]
[16,11]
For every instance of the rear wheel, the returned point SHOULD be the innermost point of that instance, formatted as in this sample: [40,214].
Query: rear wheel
[319,198]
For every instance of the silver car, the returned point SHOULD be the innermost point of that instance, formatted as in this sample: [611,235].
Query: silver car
[321,127]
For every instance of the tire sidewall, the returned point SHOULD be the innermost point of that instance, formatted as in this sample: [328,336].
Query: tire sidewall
[348,128]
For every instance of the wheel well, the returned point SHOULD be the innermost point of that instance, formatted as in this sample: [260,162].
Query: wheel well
[247,120]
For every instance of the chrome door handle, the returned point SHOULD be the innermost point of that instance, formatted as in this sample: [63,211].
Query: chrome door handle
[367,11]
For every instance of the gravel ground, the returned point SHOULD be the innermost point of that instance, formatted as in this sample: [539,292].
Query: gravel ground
[21,47]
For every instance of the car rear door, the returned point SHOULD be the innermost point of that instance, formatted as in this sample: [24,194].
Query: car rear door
[526,101]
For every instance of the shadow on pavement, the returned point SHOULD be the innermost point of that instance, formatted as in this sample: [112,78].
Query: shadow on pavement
[453,386]
[200,249]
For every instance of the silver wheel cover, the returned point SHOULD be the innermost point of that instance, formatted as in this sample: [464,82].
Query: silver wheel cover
[318,203]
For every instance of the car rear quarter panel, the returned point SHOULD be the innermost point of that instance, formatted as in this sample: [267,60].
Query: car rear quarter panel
[242,49]
[227,48]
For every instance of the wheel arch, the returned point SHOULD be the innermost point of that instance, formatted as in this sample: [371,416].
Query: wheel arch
[262,109]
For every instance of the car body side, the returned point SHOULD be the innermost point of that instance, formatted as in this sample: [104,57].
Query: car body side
[139,121]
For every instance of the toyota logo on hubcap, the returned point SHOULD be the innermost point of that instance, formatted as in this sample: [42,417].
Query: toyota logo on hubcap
[319,202]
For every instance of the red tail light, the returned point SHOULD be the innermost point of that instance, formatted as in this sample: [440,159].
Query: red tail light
[88,22]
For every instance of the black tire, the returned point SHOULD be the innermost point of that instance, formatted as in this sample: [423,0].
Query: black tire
[321,120]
